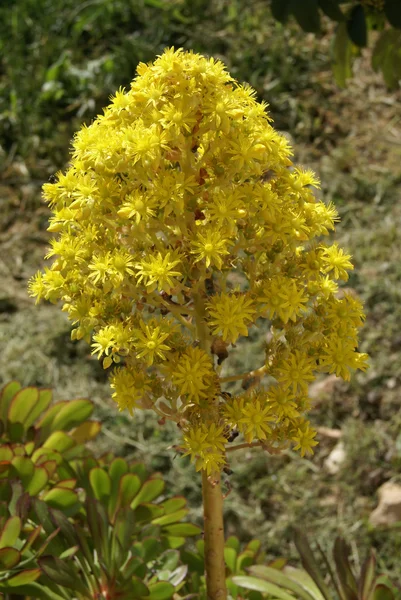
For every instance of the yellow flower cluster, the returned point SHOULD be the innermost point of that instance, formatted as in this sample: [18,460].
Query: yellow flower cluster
[182,222]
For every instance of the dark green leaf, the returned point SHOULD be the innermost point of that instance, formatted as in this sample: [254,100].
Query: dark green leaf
[307,14]
[392,10]
[346,577]
[138,588]
[342,55]
[309,563]
[332,10]
[194,561]
[367,577]
[280,9]
[62,573]
[356,26]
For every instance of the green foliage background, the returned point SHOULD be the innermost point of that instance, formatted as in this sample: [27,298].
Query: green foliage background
[60,61]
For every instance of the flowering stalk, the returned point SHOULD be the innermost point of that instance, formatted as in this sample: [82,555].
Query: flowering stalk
[182,224]
[214,536]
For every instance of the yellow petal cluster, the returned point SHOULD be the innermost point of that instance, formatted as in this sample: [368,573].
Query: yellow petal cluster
[181,224]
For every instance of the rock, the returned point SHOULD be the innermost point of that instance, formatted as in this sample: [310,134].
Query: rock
[388,510]
[335,459]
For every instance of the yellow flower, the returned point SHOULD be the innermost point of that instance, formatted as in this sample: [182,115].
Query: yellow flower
[158,271]
[303,437]
[149,343]
[193,373]
[296,372]
[229,315]
[335,260]
[256,419]
[210,247]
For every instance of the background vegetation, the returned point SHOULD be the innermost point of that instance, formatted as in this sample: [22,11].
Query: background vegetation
[60,62]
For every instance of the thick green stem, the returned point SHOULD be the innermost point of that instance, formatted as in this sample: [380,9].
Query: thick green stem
[214,537]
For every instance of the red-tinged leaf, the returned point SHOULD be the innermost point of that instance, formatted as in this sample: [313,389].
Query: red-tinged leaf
[22,404]
[6,395]
[309,563]
[27,576]
[50,466]
[367,577]
[10,532]
[44,401]
[383,592]
[9,557]
[183,529]
[5,466]
[72,414]
[346,577]
[100,483]
[150,490]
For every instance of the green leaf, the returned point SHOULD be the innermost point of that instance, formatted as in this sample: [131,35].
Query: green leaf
[138,469]
[309,563]
[305,580]
[281,10]
[34,590]
[171,518]
[194,561]
[230,557]
[174,541]
[100,483]
[22,404]
[72,414]
[383,592]
[6,454]
[233,542]
[16,432]
[284,581]
[356,26]
[367,577]
[128,489]
[342,55]
[253,546]
[86,431]
[307,14]
[43,455]
[392,10]
[173,504]
[150,549]
[63,499]
[265,587]
[61,573]
[10,532]
[332,10]
[9,557]
[138,588]
[178,575]
[24,468]
[7,394]
[47,418]
[168,561]
[387,57]
[183,529]
[148,492]
[162,590]
[44,401]
[59,441]
[27,576]
[244,560]
[346,577]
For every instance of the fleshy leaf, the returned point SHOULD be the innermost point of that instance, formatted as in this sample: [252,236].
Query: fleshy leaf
[72,414]
[44,401]
[184,529]
[86,431]
[171,518]
[27,576]
[7,394]
[101,483]
[9,557]
[148,492]
[279,578]
[259,585]
[162,590]
[10,532]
